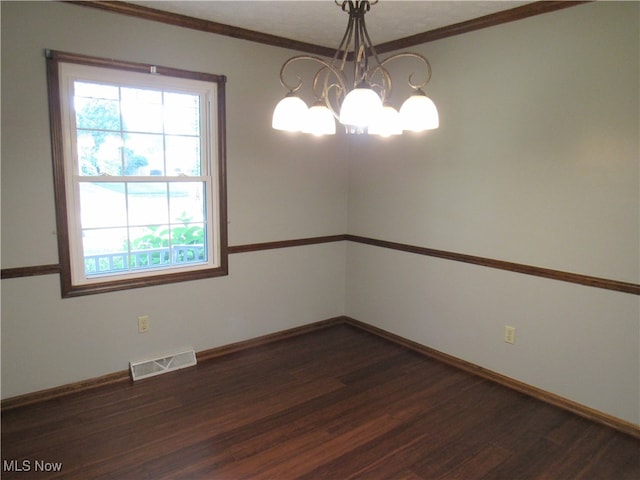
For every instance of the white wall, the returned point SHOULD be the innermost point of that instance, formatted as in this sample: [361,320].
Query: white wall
[278,189]
[536,162]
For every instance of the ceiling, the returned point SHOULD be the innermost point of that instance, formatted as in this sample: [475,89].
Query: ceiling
[322,22]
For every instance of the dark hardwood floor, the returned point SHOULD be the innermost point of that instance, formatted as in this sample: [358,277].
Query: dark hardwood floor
[338,403]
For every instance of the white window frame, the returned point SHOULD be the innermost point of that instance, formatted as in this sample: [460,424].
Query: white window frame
[63,70]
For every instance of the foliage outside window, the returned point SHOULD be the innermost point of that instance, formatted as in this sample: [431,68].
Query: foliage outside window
[139,167]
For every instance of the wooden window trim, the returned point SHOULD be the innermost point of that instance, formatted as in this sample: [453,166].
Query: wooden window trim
[54,58]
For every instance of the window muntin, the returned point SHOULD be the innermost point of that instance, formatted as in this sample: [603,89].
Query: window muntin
[143,162]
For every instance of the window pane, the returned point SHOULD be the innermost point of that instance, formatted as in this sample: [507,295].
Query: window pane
[188,243]
[102,205]
[97,113]
[142,110]
[96,90]
[182,113]
[187,234]
[187,202]
[149,246]
[183,155]
[104,250]
[149,237]
[143,154]
[147,203]
[99,153]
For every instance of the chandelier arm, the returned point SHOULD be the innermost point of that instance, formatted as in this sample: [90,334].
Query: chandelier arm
[362,61]
[340,83]
[333,102]
[368,42]
[384,88]
[316,82]
[290,88]
[417,56]
[321,83]
[357,51]
[344,44]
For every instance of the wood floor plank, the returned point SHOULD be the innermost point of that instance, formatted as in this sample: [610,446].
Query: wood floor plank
[337,403]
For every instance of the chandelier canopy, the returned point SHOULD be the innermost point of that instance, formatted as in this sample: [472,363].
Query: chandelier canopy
[354,88]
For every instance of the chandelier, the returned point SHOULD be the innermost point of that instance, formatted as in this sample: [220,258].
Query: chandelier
[354,88]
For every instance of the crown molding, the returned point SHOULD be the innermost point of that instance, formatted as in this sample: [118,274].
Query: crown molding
[147,13]
[208,26]
[498,18]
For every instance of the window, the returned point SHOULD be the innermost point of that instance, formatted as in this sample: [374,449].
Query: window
[139,171]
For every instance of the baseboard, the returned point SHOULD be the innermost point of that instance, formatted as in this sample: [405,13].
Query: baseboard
[124,375]
[210,354]
[547,397]
[64,390]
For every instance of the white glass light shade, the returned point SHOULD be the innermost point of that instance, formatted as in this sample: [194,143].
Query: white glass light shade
[418,113]
[388,123]
[320,121]
[360,107]
[290,114]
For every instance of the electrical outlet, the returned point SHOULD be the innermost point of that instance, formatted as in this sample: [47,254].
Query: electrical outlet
[143,323]
[509,334]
